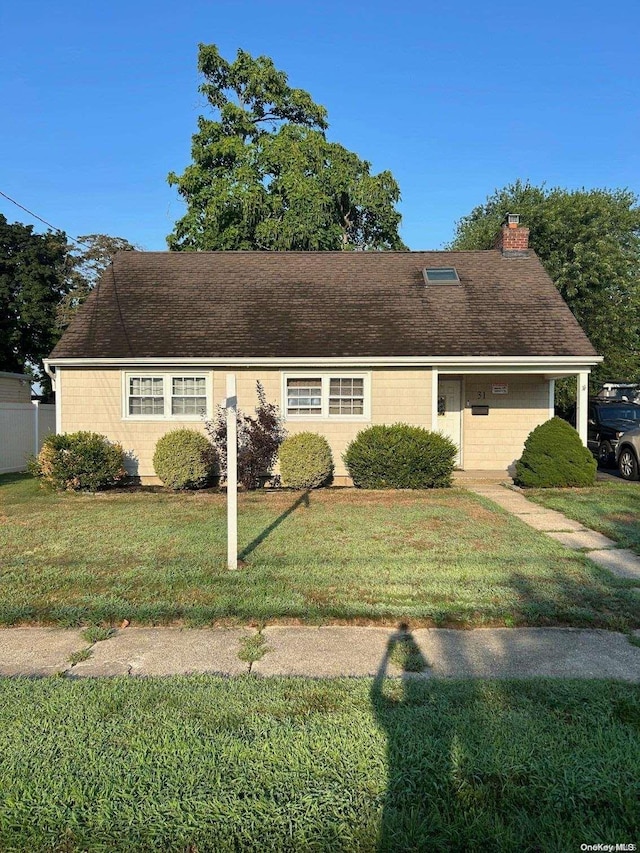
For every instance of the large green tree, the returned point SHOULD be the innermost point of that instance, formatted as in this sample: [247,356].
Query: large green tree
[589,243]
[264,175]
[88,258]
[33,279]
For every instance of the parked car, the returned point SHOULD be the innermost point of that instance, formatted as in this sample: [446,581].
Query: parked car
[628,392]
[608,420]
[628,454]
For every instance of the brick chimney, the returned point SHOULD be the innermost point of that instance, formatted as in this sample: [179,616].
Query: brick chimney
[513,240]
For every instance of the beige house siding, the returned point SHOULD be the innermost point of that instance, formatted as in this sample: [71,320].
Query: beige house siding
[13,390]
[495,441]
[92,399]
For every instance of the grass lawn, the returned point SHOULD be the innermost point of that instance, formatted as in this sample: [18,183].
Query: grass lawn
[207,764]
[437,558]
[610,507]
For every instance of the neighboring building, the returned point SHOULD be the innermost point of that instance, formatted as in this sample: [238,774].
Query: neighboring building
[468,343]
[14,388]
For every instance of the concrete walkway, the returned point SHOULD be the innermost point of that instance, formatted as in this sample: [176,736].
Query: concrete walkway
[598,548]
[321,652]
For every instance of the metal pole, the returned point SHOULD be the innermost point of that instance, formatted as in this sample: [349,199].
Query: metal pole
[232,472]
[36,427]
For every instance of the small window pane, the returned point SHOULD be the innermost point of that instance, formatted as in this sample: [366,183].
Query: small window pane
[304,396]
[188,405]
[346,396]
[189,385]
[188,395]
[146,405]
[146,395]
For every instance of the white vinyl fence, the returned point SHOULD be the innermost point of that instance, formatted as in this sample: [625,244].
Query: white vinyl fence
[23,427]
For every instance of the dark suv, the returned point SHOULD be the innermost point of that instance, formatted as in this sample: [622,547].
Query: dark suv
[607,421]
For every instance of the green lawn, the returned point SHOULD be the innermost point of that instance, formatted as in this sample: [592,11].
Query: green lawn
[208,764]
[435,558]
[612,508]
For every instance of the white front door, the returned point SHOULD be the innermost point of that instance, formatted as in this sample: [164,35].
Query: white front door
[449,413]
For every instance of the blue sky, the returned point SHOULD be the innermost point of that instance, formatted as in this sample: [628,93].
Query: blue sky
[100,99]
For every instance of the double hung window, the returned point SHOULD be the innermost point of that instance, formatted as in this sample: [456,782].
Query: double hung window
[166,395]
[327,396]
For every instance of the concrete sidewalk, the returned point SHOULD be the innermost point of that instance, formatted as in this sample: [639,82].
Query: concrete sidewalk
[353,651]
[321,652]
[598,548]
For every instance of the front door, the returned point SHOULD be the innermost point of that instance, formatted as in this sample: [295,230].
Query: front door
[449,413]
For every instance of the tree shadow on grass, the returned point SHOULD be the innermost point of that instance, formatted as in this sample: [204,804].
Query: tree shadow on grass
[303,500]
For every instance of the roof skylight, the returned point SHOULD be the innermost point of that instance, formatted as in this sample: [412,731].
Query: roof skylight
[440,275]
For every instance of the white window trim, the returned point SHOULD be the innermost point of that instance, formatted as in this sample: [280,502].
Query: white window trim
[324,376]
[167,378]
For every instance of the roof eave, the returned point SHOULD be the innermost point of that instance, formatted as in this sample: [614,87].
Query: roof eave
[467,364]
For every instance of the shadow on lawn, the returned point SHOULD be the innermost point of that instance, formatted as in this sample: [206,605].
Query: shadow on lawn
[303,500]
[471,763]
[7,479]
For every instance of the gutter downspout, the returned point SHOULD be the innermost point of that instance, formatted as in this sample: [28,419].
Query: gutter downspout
[50,373]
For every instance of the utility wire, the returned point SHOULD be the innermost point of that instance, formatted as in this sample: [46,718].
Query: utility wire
[44,221]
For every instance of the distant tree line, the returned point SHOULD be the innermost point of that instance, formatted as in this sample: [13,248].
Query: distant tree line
[265,176]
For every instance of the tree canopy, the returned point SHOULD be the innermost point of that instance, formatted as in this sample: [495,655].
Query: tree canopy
[589,243]
[264,175]
[86,263]
[33,280]
[43,280]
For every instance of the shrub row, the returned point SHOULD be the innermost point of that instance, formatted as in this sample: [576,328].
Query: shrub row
[380,457]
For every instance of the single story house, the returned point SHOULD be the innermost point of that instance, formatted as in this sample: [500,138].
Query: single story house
[467,343]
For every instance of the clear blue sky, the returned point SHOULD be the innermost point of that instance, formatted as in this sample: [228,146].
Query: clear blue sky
[99,99]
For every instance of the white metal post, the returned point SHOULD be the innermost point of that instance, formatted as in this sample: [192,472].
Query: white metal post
[36,426]
[232,472]
[582,406]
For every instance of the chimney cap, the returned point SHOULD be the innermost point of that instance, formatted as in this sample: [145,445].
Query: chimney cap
[512,220]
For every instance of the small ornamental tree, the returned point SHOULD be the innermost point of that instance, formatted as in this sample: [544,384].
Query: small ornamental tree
[400,457]
[554,456]
[259,438]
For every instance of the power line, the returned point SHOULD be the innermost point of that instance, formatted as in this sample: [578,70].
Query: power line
[44,221]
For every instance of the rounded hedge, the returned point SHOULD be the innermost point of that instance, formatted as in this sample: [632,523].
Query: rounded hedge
[79,461]
[554,456]
[184,459]
[400,457]
[305,461]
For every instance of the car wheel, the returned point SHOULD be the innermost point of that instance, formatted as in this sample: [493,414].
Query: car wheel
[605,454]
[628,464]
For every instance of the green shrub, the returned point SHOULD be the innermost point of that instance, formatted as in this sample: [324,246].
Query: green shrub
[305,461]
[400,457]
[79,461]
[554,456]
[184,459]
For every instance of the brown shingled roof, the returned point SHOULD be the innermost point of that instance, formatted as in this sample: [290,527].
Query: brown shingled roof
[323,304]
